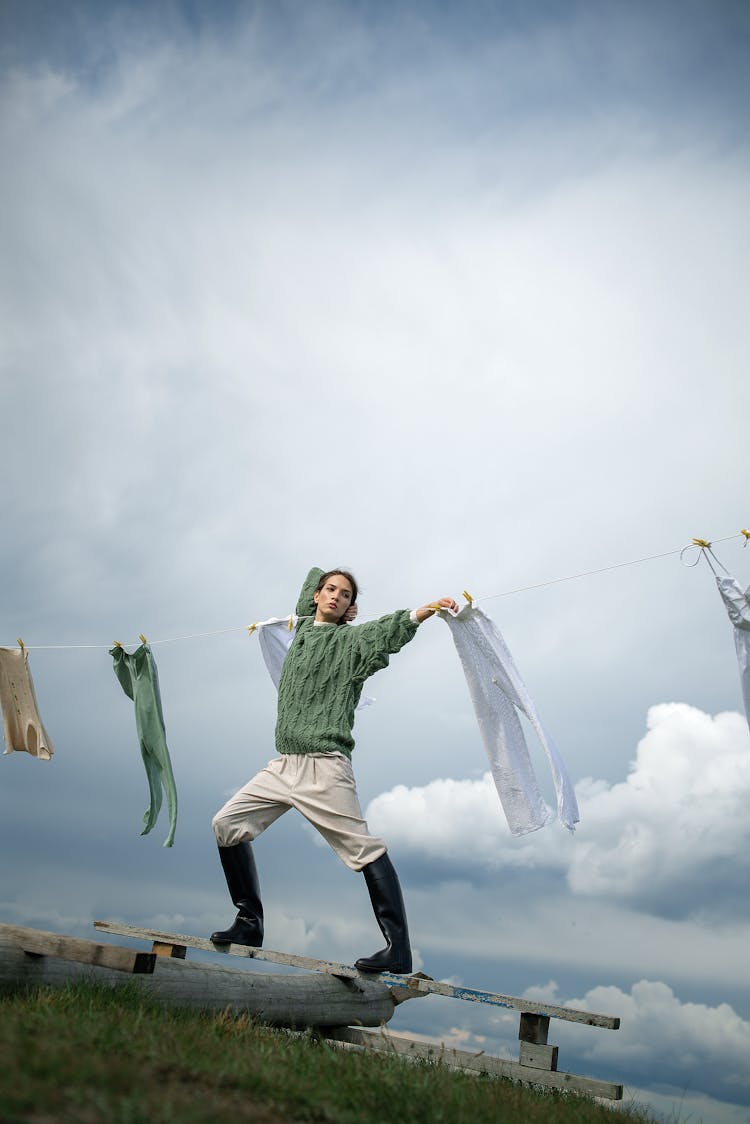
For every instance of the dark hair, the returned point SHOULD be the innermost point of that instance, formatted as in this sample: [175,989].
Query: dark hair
[341,573]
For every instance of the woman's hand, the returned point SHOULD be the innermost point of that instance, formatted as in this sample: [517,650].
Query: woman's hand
[351,613]
[441,603]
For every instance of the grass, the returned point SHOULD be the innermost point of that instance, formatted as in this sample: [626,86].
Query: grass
[86,1054]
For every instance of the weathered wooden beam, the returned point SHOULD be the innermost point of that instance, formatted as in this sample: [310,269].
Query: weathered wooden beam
[185,940]
[414,985]
[548,1010]
[402,1046]
[36,942]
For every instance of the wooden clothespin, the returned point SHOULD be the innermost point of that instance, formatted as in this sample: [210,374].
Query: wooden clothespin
[704,544]
[291,622]
[747,536]
[142,638]
[251,629]
[118,644]
[468,597]
[21,644]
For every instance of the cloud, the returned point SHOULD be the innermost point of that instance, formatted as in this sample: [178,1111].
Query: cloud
[691,1045]
[673,838]
[679,818]
[210,235]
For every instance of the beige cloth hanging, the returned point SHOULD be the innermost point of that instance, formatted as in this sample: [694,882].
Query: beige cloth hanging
[23,729]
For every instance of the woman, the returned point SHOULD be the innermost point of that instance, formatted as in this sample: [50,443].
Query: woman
[320,686]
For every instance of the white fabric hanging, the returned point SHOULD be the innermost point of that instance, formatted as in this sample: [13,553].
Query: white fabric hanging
[275,636]
[738,606]
[498,692]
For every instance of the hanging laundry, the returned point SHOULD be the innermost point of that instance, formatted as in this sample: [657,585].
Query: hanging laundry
[498,693]
[139,680]
[274,637]
[738,607]
[22,727]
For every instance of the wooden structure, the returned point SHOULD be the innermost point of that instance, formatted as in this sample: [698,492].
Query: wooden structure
[30,958]
[335,998]
[537,1063]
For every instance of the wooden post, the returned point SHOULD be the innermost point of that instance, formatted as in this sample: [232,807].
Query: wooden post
[534,1051]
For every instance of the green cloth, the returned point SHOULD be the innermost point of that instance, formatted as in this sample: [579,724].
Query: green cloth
[324,672]
[139,680]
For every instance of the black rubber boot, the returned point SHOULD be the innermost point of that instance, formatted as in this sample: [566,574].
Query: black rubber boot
[388,906]
[244,890]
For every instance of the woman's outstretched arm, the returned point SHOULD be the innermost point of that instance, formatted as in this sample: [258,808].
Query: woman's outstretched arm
[429,610]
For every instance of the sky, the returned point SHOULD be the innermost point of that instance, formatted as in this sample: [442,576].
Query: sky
[453,295]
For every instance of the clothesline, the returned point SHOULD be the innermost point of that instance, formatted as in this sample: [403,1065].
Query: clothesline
[497,691]
[699,544]
[616,566]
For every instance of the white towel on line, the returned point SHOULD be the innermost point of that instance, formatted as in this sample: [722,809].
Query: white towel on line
[498,692]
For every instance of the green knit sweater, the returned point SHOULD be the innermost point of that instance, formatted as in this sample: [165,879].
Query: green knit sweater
[324,672]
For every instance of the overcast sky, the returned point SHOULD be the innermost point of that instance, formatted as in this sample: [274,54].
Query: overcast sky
[454,295]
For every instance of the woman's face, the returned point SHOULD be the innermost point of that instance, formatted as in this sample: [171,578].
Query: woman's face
[333,599]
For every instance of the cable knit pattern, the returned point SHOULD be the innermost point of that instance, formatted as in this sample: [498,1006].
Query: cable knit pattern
[324,672]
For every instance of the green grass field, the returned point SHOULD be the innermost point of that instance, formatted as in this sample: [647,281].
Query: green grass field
[87,1054]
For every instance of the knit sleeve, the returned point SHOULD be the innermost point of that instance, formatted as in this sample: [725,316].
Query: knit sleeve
[305,604]
[376,640]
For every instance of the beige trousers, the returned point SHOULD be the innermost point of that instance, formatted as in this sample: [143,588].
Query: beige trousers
[319,785]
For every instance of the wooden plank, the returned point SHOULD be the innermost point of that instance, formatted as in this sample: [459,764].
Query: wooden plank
[417,985]
[538,1057]
[402,1046]
[329,967]
[36,942]
[569,1014]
